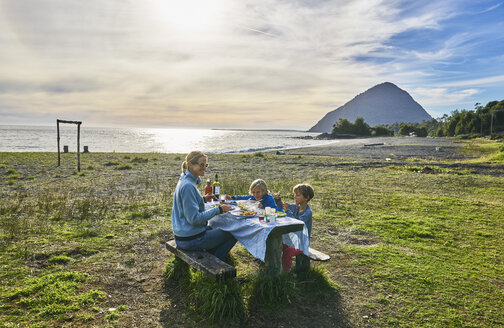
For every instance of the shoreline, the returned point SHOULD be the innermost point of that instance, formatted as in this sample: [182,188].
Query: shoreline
[367,148]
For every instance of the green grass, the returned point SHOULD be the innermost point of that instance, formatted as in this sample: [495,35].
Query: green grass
[485,150]
[49,296]
[408,249]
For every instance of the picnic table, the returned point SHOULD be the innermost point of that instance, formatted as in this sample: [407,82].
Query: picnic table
[264,240]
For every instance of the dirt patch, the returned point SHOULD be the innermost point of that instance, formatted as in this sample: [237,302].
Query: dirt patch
[353,237]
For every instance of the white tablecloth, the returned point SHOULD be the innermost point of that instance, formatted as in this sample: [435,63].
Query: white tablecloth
[253,233]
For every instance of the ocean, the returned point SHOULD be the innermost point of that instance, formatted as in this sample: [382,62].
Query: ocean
[18,138]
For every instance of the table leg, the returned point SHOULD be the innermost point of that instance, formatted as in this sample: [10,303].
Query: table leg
[302,263]
[273,256]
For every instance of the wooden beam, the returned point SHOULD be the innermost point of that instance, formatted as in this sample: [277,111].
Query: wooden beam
[58,121]
[78,146]
[57,124]
[203,262]
[71,122]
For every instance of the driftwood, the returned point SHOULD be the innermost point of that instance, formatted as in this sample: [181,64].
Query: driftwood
[204,262]
[374,144]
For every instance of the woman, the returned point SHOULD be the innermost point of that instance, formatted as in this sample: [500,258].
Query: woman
[189,218]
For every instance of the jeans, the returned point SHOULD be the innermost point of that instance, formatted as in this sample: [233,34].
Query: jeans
[214,241]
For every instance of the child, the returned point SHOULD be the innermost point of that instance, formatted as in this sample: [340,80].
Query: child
[303,193]
[259,191]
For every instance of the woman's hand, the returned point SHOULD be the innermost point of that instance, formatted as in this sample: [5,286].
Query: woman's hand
[208,197]
[225,208]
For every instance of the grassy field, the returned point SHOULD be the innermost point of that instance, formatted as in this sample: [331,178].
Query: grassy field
[412,243]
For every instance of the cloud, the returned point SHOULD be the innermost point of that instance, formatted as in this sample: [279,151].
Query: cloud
[491,8]
[235,62]
[443,96]
[477,82]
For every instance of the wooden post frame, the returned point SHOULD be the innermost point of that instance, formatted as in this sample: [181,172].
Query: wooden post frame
[78,140]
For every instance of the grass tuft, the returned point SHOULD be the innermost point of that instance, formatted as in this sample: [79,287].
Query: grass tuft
[272,293]
[60,259]
[216,301]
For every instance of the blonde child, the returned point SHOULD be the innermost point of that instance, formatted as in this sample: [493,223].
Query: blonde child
[259,191]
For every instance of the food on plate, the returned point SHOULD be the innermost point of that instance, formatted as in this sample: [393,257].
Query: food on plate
[246,212]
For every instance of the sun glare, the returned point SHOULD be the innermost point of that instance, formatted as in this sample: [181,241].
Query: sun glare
[188,15]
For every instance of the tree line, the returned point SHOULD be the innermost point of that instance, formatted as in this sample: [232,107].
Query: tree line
[483,120]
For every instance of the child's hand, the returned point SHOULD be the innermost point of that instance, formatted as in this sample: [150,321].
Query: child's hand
[285,206]
[259,205]
[228,197]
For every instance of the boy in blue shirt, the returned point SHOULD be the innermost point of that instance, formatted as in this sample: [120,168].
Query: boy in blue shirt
[300,210]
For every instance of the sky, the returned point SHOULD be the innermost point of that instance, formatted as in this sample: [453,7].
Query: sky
[240,63]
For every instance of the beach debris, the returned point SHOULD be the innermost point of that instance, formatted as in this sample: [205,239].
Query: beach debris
[280,152]
[374,144]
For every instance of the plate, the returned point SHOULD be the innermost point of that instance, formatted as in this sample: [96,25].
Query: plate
[237,215]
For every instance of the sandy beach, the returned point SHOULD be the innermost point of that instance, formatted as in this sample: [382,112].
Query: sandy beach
[391,147]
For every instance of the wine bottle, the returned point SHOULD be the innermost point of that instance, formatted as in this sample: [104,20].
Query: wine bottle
[208,187]
[216,187]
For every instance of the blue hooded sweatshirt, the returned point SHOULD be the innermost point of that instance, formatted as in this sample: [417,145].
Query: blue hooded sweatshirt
[189,217]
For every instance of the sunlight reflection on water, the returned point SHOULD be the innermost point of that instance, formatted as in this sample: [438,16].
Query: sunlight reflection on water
[135,140]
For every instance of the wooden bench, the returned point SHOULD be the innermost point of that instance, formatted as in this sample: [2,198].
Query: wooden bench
[303,261]
[204,262]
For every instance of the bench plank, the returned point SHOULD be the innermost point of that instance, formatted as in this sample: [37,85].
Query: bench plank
[303,261]
[203,262]
[318,256]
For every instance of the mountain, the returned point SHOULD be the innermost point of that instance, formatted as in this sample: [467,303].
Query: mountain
[384,103]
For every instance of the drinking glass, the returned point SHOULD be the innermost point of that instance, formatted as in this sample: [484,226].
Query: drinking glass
[273,215]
